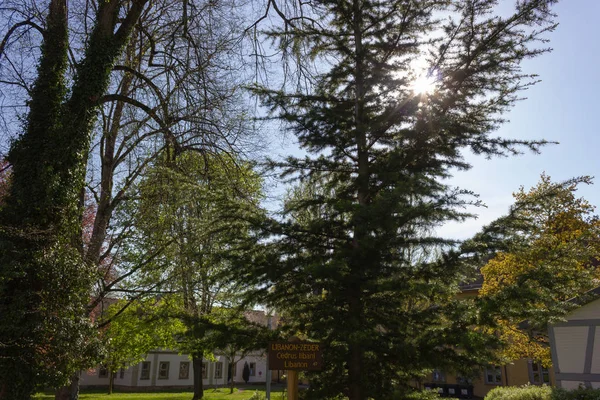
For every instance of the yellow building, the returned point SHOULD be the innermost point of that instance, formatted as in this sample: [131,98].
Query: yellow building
[517,373]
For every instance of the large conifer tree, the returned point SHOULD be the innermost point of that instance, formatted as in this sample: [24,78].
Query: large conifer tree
[354,267]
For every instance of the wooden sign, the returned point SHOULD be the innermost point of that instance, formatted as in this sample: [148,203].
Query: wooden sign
[295,356]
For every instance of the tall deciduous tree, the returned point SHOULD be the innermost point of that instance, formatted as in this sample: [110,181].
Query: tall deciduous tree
[551,255]
[45,283]
[193,213]
[172,86]
[380,144]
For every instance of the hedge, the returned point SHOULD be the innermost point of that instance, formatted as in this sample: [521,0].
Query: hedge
[529,392]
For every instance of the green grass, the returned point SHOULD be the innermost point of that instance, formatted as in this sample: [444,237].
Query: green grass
[209,394]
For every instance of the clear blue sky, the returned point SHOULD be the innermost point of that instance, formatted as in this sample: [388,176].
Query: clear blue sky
[564,107]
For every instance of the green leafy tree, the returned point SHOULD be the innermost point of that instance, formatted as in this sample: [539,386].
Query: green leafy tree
[235,336]
[193,214]
[551,253]
[133,331]
[379,148]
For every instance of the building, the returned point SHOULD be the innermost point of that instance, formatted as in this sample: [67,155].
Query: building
[169,369]
[575,344]
[165,368]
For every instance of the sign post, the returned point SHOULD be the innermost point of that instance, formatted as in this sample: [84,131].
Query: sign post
[268,377]
[294,356]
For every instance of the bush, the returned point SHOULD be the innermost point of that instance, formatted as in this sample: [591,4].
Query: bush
[257,396]
[526,392]
[579,394]
[529,392]
[417,395]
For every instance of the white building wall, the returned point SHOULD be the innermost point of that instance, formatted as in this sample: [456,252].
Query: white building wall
[260,372]
[570,347]
[571,385]
[91,377]
[587,311]
[132,375]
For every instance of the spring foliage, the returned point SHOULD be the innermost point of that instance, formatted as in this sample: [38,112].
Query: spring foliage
[551,256]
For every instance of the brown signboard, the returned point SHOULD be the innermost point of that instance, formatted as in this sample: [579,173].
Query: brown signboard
[295,356]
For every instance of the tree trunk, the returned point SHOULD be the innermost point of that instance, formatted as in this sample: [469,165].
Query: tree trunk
[111,381]
[198,387]
[232,384]
[41,214]
[355,356]
[70,392]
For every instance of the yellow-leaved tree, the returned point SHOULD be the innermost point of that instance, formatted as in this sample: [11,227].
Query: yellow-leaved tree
[550,253]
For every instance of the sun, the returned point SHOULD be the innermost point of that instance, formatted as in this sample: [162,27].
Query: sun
[424,84]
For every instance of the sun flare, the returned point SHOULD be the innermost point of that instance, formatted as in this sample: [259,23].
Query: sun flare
[424,84]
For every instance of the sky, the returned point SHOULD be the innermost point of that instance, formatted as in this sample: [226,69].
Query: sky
[560,108]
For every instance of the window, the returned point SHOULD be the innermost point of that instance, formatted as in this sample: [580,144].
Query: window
[252,369]
[234,368]
[493,375]
[463,380]
[163,370]
[218,370]
[438,376]
[103,372]
[184,370]
[145,373]
[204,371]
[122,373]
[538,375]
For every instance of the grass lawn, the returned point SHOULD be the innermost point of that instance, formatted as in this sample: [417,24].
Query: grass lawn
[209,394]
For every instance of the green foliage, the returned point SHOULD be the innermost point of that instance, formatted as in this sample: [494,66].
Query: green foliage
[233,334]
[45,329]
[355,262]
[548,254]
[138,328]
[257,396]
[581,393]
[191,225]
[527,392]
[417,395]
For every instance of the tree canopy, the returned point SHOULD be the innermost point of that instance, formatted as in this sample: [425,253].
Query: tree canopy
[551,255]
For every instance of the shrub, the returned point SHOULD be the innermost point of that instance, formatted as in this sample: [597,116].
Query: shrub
[579,394]
[526,392]
[257,396]
[417,395]
[529,392]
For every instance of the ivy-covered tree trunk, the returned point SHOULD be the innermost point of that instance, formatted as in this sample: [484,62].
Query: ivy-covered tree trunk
[45,284]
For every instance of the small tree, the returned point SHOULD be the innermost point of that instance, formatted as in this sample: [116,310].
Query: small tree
[135,331]
[235,336]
